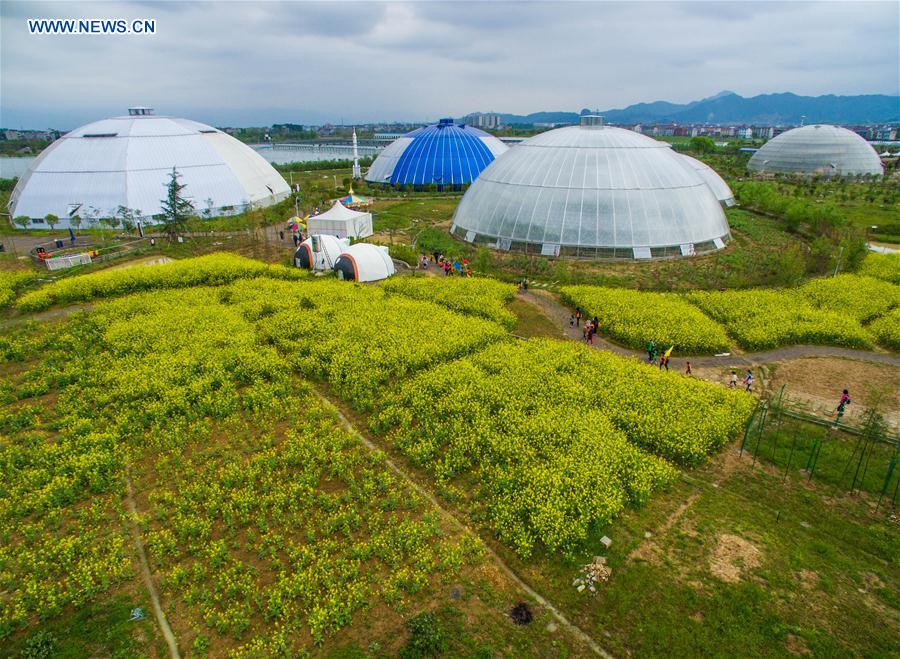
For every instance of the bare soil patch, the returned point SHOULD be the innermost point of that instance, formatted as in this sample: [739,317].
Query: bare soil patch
[147,260]
[808,579]
[732,557]
[796,645]
[817,382]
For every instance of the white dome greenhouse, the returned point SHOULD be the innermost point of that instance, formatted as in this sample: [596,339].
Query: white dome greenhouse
[817,149]
[127,162]
[715,182]
[592,191]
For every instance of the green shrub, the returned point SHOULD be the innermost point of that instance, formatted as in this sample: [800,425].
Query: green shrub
[426,637]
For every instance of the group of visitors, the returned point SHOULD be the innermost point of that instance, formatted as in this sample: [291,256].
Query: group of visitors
[748,380]
[591,325]
[662,360]
[588,329]
[445,264]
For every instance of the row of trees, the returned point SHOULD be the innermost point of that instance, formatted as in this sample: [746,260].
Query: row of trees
[833,241]
[124,217]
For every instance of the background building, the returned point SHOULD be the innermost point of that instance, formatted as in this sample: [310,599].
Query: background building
[481,120]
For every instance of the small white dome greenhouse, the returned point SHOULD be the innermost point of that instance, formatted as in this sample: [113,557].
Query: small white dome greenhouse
[817,149]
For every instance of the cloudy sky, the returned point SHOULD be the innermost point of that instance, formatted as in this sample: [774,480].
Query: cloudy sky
[257,63]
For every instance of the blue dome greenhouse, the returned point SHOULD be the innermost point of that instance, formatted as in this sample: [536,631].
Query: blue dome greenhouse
[443,154]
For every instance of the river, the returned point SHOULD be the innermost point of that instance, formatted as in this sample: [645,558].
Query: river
[17,165]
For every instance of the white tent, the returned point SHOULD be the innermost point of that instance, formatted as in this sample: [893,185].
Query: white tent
[320,252]
[364,262]
[342,222]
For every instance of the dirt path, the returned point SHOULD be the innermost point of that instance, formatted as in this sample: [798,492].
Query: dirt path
[559,313]
[576,631]
[148,578]
[43,316]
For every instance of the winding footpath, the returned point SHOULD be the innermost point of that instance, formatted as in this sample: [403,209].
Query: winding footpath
[559,313]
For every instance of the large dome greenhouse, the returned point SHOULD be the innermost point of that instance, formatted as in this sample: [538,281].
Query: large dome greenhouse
[715,182]
[592,191]
[127,162]
[443,154]
[817,149]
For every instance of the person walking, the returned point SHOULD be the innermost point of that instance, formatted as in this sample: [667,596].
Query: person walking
[588,333]
[842,404]
[578,315]
[749,380]
[281,234]
[732,382]
[664,361]
[651,351]
[687,370]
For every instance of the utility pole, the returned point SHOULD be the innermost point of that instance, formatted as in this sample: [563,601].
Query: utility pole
[356,174]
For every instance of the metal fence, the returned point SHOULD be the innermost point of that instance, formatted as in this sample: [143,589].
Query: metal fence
[855,458]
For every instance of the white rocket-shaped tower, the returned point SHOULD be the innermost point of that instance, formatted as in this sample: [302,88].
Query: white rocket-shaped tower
[357,174]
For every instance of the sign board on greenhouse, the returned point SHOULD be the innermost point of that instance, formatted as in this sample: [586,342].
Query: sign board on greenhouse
[718,243]
[549,249]
[687,249]
[504,243]
[641,252]
[470,236]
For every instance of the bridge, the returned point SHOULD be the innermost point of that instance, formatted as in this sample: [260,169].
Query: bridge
[366,147]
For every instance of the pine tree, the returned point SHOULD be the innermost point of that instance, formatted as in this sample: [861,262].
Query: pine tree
[176,208]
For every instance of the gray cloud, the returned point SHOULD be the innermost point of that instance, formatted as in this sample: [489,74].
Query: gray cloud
[264,62]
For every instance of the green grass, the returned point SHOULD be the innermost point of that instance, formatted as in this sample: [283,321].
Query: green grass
[100,629]
[665,604]
[790,448]
[671,605]
[530,322]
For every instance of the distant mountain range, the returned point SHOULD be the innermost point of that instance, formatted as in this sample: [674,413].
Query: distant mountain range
[730,108]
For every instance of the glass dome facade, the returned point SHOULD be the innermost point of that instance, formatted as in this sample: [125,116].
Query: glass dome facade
[441,154]
[592,191]
[817,149]
[715,182]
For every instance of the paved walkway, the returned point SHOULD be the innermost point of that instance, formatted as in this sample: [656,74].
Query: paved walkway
[560,313]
